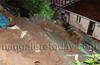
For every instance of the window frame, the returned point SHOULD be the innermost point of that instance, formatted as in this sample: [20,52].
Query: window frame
[78,19]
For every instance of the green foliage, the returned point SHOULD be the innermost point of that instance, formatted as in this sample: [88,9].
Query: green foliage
[92,60]
[42,7]
[93,55]
[76,62]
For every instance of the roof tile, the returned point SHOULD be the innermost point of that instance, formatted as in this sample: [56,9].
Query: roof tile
[87,8]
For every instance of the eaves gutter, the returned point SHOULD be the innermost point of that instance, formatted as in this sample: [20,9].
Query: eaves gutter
[81,16]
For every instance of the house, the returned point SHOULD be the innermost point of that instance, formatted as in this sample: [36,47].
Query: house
[85,15]
[59,4]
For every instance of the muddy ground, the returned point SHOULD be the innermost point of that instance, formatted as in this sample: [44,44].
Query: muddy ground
[38,46]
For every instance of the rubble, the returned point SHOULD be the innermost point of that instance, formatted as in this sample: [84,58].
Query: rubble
[34,36]
[44,25]
[36,29]
[11,17]
[23,34]
[13,27]
[21,24]
[57,22]
[58,29]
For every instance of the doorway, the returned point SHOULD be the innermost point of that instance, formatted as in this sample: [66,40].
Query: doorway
[91,28]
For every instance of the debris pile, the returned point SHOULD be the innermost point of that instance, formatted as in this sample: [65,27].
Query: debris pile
[27,34]
[36,29]
[59,29]
[45,25]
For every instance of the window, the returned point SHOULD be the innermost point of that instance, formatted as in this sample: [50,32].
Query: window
[78,19]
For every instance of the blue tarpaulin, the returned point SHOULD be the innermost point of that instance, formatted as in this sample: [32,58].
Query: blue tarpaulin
[3,21]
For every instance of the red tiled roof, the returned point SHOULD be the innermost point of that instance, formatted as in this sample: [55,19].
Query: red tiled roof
[87,8]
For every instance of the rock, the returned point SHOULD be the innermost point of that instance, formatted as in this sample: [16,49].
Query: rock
[23,34]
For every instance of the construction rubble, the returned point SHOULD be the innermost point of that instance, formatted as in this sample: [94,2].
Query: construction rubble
[20,32]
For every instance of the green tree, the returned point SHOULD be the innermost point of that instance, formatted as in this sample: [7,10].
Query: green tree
[41,7]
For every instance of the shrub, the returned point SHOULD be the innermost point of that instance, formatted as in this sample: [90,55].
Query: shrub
[41,7]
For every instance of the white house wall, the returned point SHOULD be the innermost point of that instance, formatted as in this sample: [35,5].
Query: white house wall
[65,16]
[83,24]
[96,33]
